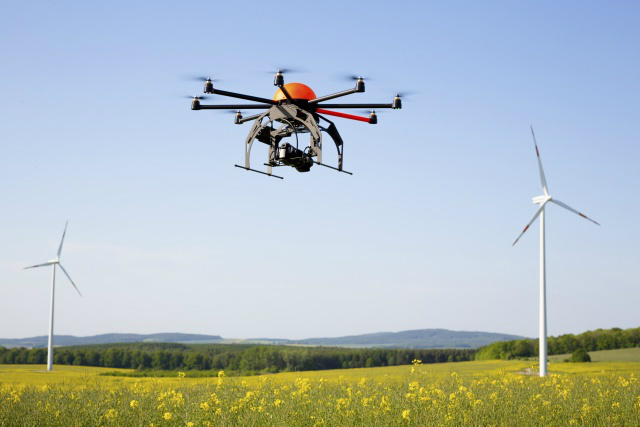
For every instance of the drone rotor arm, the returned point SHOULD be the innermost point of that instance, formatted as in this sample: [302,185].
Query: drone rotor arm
[366,106]
[249,118]
[344,115]
[235,107]
[332,96]
[286,94]
[242,96]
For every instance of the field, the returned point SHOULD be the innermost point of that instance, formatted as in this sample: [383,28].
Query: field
[620,355]
[496,393]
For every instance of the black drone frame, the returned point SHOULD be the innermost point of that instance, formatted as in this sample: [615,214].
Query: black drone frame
[293,117]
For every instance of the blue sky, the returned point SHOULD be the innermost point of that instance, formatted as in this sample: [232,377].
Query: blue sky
[166,235]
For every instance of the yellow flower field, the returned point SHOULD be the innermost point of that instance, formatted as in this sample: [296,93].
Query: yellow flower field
[475,394]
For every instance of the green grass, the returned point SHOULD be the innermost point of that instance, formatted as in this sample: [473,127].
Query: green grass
[620,355]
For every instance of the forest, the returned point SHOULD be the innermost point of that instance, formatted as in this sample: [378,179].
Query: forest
[239,358]
[600,339]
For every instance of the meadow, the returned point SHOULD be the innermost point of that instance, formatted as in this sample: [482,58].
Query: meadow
[618,355]
[482,393]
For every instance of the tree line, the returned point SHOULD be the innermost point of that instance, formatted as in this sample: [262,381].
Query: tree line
[241,358]
[600,339]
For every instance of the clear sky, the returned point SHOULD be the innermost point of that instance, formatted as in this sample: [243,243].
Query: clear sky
[166,235]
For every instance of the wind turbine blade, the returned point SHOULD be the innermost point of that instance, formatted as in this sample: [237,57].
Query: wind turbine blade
[564,205]
[40,265]
[530,222]
[543,180]
[69,277]
[62,241]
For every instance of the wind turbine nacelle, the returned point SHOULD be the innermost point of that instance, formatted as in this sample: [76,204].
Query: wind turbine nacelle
[538,200]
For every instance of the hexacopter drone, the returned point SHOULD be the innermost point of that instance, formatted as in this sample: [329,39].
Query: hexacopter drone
[294,110]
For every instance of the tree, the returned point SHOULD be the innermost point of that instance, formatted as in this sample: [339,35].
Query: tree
[580,355]
[113,358]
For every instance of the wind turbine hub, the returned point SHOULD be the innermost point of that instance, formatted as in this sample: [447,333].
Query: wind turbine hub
[539,200]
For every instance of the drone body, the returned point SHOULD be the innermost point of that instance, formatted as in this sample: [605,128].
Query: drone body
[294,110]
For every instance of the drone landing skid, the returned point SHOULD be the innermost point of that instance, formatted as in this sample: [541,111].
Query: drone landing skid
[260,172]
[331,167]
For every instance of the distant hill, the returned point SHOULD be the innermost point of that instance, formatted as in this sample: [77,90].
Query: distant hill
[65,340]
[416,339]
[420,338]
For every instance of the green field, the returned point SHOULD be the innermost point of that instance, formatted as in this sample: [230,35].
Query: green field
[620,355]
[486,393]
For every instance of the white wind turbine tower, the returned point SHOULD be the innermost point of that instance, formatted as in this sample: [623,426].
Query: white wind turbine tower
[542,201]
[53,263]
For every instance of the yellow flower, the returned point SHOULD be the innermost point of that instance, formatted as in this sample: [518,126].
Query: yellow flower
[181,375]
[190,424]
[111,414]
[134,404]
[405,414]
[167,415]
[204,406]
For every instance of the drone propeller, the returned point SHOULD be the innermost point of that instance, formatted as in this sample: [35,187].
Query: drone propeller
[200,79]
[405,94]
[368,112]
[196,97]
[349,77]
[284,71]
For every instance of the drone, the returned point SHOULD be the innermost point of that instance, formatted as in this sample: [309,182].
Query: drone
[294,110]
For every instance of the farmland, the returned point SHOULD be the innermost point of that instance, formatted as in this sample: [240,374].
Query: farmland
[618,355]
[494,392]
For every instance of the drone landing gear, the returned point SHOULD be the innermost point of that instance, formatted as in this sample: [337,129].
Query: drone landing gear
[331,167]
[260,172]
[292,121]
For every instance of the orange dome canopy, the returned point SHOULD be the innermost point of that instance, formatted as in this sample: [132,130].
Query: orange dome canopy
[297,91]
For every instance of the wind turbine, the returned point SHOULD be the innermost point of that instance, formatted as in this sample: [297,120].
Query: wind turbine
[53,263]
[542,201]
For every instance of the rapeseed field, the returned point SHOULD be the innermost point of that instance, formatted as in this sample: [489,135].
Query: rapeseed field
[415,396]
